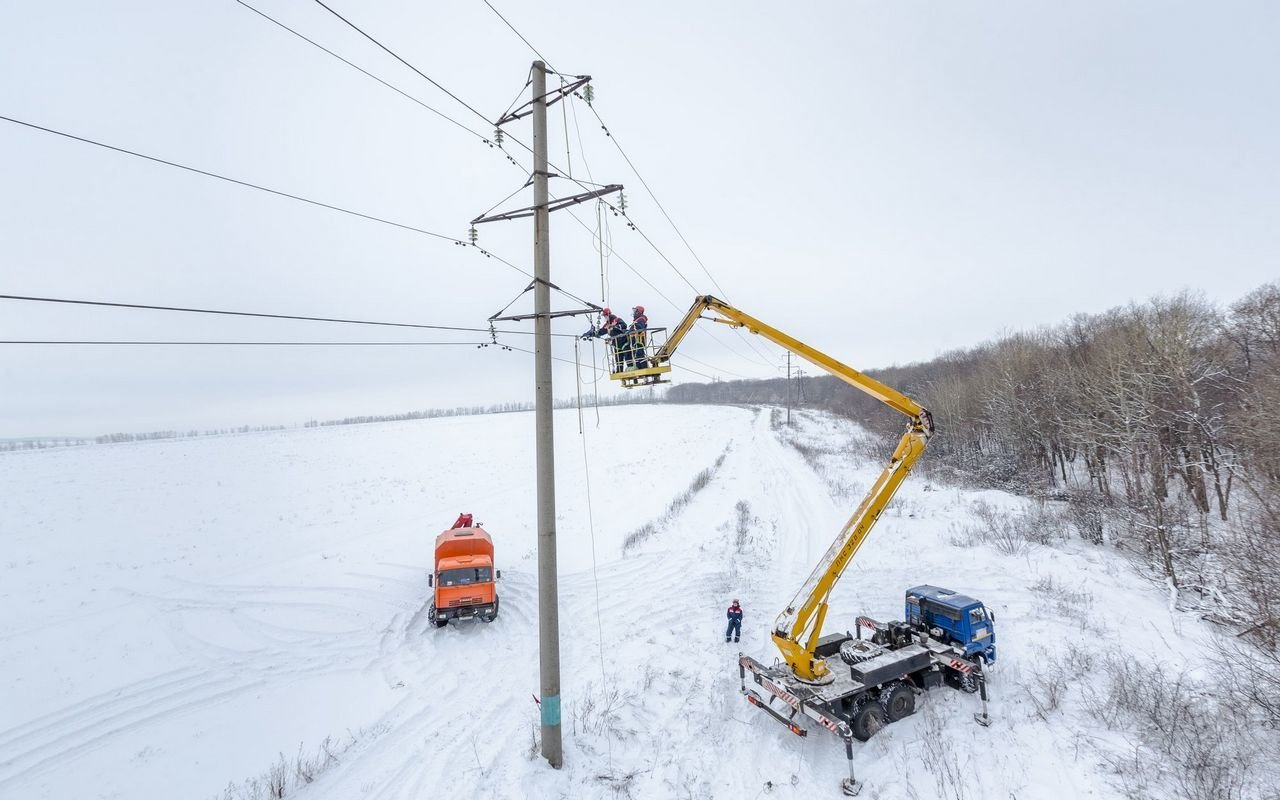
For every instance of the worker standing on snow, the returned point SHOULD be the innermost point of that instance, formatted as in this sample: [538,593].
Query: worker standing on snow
[735,622]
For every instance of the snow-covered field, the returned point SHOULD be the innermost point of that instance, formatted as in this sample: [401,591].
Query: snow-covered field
[175,615]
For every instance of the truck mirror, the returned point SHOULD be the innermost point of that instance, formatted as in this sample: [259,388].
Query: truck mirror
[430,578]
[499,575]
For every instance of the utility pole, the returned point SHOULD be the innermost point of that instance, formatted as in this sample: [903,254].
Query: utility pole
[788,387]
[548,581]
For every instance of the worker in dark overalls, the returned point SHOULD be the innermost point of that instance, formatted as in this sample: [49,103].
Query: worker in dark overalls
[639,338]
[614,328]
[734,628]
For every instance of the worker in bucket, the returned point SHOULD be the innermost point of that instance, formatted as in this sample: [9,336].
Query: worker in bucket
[735,622]
[615,329]
[639,338]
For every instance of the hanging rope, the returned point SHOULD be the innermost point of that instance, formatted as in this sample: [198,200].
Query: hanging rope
[591,528]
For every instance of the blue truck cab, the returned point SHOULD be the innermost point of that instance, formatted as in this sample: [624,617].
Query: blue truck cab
[962,621]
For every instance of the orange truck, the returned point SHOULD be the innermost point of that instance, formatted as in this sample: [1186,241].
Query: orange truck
[464,577]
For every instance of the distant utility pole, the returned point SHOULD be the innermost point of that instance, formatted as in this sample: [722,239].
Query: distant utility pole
[788,387]
[548,579]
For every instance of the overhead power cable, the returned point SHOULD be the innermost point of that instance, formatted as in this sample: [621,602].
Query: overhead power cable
[118,342]
[261,315]
[545,60]
[562,172]
[279,193]
[393,54]
[366,72]
[236,181]
[648,189]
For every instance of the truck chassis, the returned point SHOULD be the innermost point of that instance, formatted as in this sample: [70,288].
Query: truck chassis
[872,682]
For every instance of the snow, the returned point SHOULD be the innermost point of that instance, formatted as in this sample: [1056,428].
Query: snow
[175,614]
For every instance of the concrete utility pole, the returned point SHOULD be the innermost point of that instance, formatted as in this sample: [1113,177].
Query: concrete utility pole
[548,581]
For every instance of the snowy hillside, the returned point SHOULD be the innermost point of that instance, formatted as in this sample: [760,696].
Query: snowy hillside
[176,615]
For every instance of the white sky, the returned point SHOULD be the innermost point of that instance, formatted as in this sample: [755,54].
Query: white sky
[884,180]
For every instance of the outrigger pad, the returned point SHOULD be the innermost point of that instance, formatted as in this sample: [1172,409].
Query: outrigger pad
[850,787]
[982,719]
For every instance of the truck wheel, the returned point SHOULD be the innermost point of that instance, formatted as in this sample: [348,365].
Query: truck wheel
[431,617]
[867,720]
[899,702]
[494,615]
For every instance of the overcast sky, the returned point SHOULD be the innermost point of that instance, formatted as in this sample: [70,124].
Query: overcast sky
[887,181]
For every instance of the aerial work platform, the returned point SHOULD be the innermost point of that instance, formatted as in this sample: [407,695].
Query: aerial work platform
[637,358]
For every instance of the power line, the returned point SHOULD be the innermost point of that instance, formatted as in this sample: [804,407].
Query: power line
[648,189]
[441,87]
[658,203]
[354,66]
[614,254]
[393,54]
[545,60]
[118,342]
[279,193]
[473,110]
[262,315]
[236,181]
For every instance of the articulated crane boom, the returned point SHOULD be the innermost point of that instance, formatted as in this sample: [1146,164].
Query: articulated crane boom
[849,685]
[799,626]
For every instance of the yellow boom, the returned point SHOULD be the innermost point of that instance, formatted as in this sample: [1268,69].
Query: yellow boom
[799,626]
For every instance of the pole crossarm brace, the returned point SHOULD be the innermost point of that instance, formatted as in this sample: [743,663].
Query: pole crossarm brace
[556,205]
[551,98]
[550,315]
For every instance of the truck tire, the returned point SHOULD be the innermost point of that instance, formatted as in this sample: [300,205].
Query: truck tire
[899,701]
[431,617]
[867,720]
[494,615]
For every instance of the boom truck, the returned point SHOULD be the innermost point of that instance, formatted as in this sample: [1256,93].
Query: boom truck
[463,576]
[849,685]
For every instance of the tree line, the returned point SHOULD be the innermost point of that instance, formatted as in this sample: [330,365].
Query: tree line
[1153,426]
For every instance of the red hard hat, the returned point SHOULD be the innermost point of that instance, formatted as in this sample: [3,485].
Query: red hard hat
[606,312]
[639,309]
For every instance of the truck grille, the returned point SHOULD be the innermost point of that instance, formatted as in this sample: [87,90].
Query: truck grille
[465,601]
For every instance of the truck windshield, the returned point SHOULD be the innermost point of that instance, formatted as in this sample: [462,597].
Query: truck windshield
[465,576]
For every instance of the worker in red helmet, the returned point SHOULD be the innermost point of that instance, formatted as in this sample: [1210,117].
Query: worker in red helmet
[734,628]
[639,338]
[615,329]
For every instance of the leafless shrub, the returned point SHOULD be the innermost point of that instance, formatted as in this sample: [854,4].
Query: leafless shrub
[742,529]
[288,775]
[597,711]
[1198,736]
[1085,514]
[700,481]
[1048,685]
[1057,599]
[1014,533]
[964,535]
[940,757]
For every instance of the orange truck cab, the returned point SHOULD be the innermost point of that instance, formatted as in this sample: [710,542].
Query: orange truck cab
[464,578]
